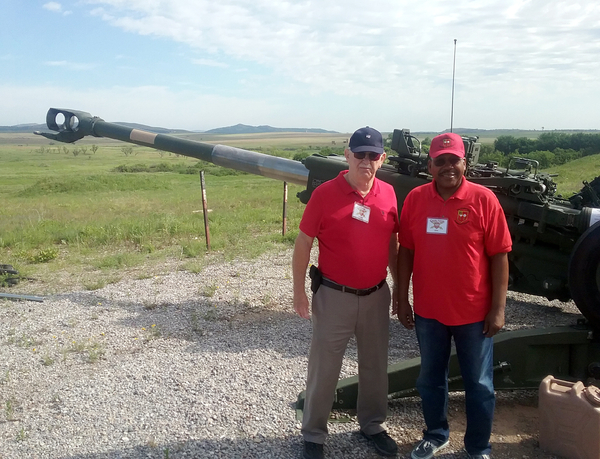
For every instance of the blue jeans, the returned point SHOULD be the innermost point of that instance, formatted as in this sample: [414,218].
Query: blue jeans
[475,357]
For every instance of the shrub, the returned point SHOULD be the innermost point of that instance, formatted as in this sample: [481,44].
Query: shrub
[44,255]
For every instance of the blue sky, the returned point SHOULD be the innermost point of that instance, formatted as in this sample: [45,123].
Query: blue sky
[337,65]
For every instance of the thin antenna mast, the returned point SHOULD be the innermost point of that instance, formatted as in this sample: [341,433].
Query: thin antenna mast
[453,72]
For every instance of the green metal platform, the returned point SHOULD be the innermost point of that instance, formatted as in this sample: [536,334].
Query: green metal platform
[523,358]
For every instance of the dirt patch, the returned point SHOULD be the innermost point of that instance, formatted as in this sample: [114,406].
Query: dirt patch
[515,432]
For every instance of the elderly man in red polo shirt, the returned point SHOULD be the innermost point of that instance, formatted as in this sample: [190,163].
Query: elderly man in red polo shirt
[355,220]
[454,241]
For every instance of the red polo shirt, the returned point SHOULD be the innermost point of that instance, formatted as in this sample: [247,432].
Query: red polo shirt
[452,242]
[352,252]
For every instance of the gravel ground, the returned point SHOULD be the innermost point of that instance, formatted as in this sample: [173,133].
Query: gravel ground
[208,365]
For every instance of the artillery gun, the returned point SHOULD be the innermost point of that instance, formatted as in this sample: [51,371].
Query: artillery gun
[556,246]
[556,241]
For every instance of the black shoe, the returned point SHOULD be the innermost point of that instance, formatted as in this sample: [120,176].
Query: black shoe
[384,444]
[313,450]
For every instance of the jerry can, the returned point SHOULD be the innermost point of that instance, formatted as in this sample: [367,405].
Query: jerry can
[569,419]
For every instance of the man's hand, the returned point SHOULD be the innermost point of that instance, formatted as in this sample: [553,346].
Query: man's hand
[405,315]
[405,268]
[301,305]
[494,321]
[300,259]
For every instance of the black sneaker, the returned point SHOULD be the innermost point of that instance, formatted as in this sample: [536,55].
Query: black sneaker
[384,444]
[313,450]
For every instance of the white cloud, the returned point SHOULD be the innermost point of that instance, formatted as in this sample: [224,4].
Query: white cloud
[349,49]
[53,6]
[56,7]
[519,63]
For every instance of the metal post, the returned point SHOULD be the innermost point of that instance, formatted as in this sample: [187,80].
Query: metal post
[285,196]
[453,72]
[205,210]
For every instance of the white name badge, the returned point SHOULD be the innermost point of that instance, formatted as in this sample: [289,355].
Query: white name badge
[437,226]
[361,212]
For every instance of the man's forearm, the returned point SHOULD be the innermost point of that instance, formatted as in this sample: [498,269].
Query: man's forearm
[405,268]
[499,274]
[393,258]
[300,259]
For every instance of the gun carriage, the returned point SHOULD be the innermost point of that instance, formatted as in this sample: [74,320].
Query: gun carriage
[556,242]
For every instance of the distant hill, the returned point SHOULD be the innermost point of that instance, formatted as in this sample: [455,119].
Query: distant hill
[24,128]
[517,132]
[245,129]
[489,135]
[237,129]
[156,130]
[29,128]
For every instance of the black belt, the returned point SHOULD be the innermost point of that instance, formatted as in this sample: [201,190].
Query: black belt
[355,291]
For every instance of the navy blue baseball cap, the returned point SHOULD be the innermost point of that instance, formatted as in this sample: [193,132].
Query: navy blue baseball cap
[366,139]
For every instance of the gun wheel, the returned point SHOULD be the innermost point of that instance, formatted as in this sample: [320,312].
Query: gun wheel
[584,274]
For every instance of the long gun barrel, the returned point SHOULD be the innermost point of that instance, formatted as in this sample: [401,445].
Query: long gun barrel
[78,124]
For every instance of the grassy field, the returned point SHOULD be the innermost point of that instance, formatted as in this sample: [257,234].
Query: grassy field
[570,176]
[77,213]
[70,209]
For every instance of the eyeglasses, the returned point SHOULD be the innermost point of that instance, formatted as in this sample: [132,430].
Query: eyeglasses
[372,155]
[452,159]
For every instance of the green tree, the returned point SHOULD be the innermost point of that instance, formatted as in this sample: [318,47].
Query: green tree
[549,141]
[562,156]
[486,149]
[493,156]
[388,140]
[326,151]
[525,145]
[505,144]
[544,158]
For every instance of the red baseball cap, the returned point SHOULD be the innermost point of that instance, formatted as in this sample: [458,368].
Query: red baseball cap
[447,143]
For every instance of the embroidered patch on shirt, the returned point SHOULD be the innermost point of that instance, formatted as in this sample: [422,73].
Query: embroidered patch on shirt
[462,216]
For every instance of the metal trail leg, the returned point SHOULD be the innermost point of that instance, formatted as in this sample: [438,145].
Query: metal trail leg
[525,358]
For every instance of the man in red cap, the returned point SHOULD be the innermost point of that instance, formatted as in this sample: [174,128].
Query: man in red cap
[355,219]
[454,240]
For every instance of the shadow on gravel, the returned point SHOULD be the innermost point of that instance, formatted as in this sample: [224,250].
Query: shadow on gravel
[238,449]
[338,446]
[540,312]
[205,322]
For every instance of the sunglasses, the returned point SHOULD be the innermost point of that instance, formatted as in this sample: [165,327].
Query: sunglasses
[453,160]
[372,156]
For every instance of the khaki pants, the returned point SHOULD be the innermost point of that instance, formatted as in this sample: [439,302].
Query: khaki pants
[336,317]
